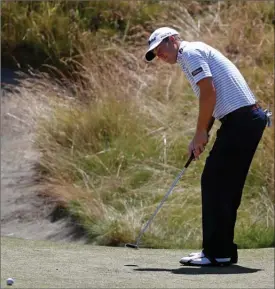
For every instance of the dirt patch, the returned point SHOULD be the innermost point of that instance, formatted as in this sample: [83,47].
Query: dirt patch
[23,212]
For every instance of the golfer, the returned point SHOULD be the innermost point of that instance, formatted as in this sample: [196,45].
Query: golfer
[223,95]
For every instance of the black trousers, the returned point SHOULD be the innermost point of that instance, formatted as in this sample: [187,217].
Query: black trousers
[224,176]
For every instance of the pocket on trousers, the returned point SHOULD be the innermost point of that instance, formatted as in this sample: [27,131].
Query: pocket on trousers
[259,117]
[258,113]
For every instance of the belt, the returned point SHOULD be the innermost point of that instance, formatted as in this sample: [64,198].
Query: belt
[243,109]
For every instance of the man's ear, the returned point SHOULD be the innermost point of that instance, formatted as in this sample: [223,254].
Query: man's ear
[172,38]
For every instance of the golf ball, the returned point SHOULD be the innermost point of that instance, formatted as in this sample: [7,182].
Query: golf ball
[10,281]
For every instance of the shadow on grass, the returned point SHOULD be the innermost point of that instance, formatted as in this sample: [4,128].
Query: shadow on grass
[234,269]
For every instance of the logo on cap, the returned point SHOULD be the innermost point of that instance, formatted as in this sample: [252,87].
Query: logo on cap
[152,40]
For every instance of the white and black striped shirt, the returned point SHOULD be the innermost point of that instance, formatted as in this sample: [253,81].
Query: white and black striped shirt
[199,60]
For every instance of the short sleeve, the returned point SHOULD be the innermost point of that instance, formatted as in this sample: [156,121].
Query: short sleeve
[196,64]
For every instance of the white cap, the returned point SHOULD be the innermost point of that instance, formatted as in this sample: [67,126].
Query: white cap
[155,39]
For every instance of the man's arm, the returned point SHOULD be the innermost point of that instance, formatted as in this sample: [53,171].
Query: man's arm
[205,121]
[197,64]
[198,67]
[207,102]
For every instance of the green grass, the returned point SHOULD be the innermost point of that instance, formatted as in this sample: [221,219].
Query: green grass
[119,177]
[56,32]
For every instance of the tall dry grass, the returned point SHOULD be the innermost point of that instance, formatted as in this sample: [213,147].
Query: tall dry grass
[112,145]
[41,33]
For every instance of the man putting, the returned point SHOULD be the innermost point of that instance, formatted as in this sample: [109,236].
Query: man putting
[224,95]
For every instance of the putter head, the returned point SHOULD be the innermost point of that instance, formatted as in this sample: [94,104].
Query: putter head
[133,246]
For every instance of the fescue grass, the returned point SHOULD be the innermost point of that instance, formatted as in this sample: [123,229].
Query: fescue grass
[36,33]
[111,152]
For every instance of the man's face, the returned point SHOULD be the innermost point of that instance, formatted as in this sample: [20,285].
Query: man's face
[167,50]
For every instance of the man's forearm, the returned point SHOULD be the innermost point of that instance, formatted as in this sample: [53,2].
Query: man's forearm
[207,104]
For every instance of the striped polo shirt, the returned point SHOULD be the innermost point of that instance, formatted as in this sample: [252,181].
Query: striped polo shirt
[199,60]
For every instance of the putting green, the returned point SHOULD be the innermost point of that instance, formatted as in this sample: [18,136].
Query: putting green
[43,264]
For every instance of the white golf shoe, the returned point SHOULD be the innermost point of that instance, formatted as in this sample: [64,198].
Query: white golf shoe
[199,254]
[192,256]
[199,259]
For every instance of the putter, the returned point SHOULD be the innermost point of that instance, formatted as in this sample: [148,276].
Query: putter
[136,245]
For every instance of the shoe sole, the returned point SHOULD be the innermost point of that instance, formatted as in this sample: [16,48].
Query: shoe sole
[220,264]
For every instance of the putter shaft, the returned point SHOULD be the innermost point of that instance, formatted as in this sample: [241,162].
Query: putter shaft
[161,203]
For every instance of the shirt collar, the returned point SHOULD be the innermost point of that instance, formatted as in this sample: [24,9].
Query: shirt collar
[182,45]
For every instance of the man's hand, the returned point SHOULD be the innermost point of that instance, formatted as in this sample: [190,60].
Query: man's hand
[198,143]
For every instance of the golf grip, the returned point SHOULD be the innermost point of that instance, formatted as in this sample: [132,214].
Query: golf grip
[189,161]
[165,197]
